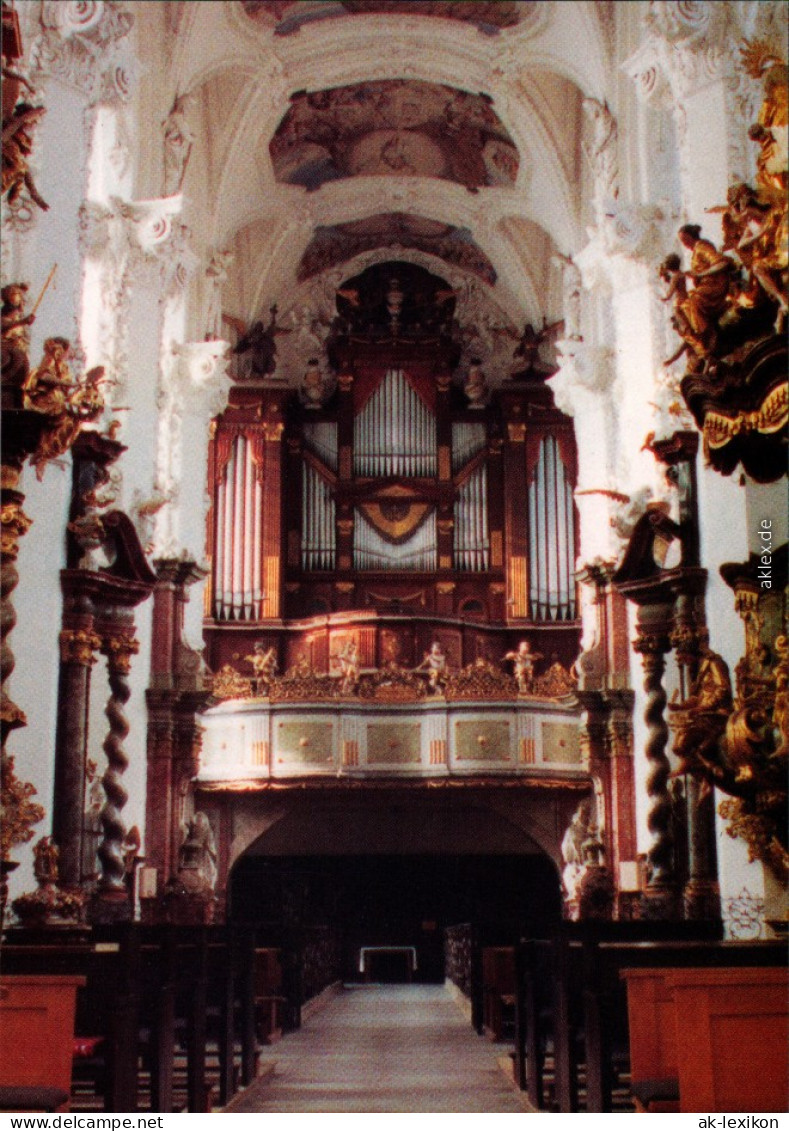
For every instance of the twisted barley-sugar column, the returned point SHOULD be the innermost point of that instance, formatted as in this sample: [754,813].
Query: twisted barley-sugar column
[119,649]
[660,855]
[14,523]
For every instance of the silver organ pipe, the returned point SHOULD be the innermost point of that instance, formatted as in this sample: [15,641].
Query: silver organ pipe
[257,551]
[238,538]
[228,487]
[238,530]
[318,522]
[472,549]
[249,535]
[371,551]
[321,439]
[551,538]
[467,441]
[394,434]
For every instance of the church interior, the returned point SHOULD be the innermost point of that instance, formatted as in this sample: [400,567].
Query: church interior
[394,544]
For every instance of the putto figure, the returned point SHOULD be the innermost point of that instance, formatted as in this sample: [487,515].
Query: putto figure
[350,666]
[264,663]
[523,661]
[435,664]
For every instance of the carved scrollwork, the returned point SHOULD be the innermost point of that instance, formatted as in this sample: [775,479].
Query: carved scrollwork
[556,683]
[230,684]
[480,680]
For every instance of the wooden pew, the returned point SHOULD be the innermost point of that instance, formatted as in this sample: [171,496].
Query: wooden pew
[36,1040]
[652,1024]
[605,1004]
[709,1038]
[151,995]
[583,1020]
[498,988]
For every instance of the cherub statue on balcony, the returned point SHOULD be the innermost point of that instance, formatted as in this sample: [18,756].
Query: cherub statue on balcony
[264,663]
[523,661]
[435,664]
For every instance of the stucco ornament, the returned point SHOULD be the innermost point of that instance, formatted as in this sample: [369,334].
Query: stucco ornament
[194,385]
[86,43]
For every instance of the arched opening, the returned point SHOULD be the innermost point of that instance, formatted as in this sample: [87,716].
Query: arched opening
[388,873]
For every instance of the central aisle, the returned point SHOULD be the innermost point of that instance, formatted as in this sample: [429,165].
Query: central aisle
[384,1049]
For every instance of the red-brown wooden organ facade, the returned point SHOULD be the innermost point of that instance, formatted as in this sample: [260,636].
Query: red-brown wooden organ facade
[392,504]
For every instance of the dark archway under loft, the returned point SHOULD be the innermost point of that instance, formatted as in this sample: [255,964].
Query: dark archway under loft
[394,901]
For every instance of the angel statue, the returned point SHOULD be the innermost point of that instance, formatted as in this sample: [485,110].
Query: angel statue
[259,342]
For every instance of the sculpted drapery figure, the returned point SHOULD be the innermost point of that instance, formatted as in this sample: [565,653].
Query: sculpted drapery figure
[197,856]
[700,720]
[178,141]
[15,335]
[17,147]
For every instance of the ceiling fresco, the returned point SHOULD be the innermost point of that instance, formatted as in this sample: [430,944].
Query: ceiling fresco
[338,243]
[395,127]
[288,16]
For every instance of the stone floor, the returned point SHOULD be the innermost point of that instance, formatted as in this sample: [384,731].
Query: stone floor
[383,1048]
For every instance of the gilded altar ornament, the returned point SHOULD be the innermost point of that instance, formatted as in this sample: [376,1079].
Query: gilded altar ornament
[14,524]
[15,341]
[49,904]
[392,684]
[739,743]
[51,390]
[17,147]
[730,305]
[699,721]
[18,813]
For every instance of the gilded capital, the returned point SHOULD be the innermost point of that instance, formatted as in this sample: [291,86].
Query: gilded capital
[14,523]
[77,646]
[119,649]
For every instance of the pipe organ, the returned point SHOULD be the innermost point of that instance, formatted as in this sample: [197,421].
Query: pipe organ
[551,537]
[238,565]
[391,511]
[395,432]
